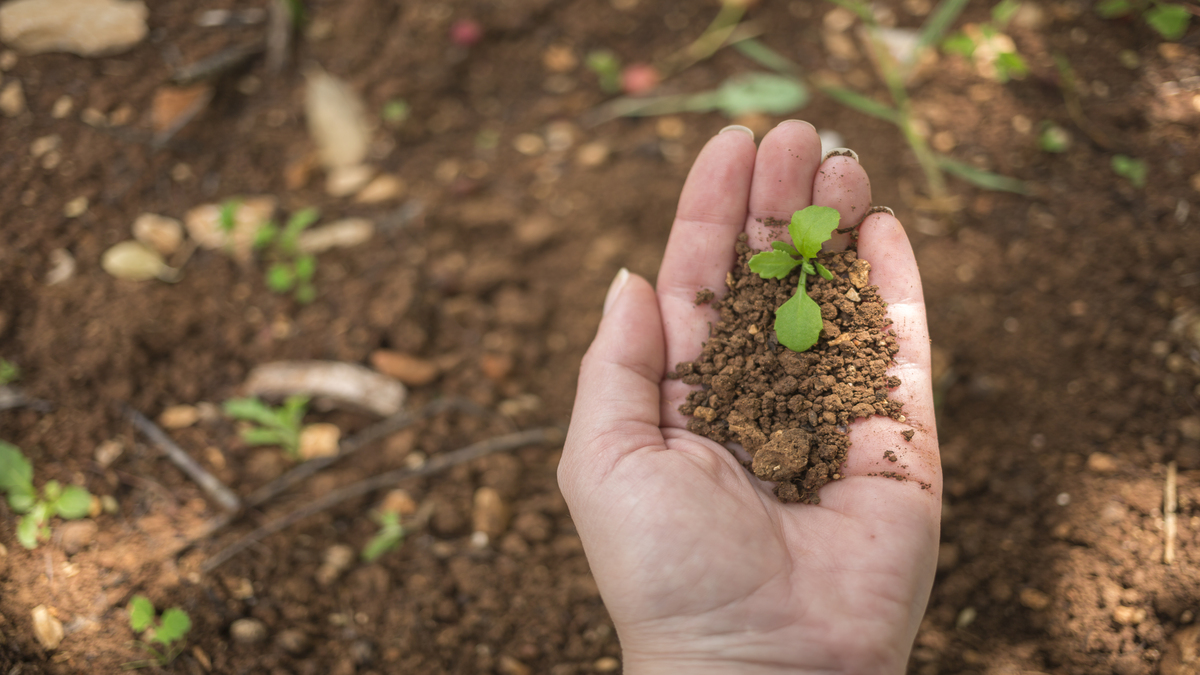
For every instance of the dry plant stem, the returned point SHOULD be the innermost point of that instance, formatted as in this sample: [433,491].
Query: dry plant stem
[207,482]
[1170,506]
[12,398]
[279,36]
[436,464]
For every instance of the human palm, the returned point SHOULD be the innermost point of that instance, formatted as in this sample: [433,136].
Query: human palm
[701,568]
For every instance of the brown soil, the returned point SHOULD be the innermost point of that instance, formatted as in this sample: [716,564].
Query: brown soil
[1064,326]
[789,410]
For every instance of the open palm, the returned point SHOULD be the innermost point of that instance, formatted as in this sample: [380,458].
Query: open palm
[701,569]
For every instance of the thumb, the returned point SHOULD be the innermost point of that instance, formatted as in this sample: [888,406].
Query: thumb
[617,401]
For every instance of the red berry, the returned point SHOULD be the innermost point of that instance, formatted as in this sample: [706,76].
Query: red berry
[639,78]
[466,32]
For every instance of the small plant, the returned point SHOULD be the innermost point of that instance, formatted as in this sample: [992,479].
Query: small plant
[9,372]
[1053,138]
[798,321]
[985,44]
[291,269]
[227,217]
[275,426]
[1169,19]
[395,112]
[168,631]
[1132,169]
[607,68]
[16,479]
[388,538]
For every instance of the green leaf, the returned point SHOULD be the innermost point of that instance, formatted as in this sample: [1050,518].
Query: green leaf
[808,268]
[390,534]
[984,179]
[760,93]
[265,235]
[299,221]
[16,473]
[785,247]
[812,227]
[1004,11]
[21,499]
[1010,65]
[293,409]
[141,613]
[9,372]
[173,625]
[1130,168]
[939,22]
[251,409]
[773,264]
[280,278]
[607,68]
[825,273]
[863,104]
[961,44]
[75,502]
[262,436]
[395,111]
[27,531]
[306,267]
[798,322]
[227,218]
[1171,21]
[767,57]
[1111,9]
[51,491]
[1053,138]
[305,293]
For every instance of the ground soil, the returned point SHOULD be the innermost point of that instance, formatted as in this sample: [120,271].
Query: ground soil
[1065,329]
[789,411]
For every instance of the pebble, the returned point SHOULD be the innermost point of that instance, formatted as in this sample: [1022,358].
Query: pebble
[490,514]
[1034,599]
[400,502]
[107,452]
[319,440]
[346,180]
[179,417]
[1101,462]
[62,107]
[385,188]
[76,207]
[606,664]
[852,296]
[62,267]
[339,557]
[77,535]
[47,628]
[293,641]
[337,121]
[859,272]
[83,27]
[134,261]
[12,99]
[411,370]
[248,631]
[45,144]
[596,153]
[529,144]
[343,233]
[160,233]
[1128,616]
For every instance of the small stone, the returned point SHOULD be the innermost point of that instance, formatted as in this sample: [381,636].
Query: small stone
[108,452]
[319,440]
[1128,616]
[344,233]
[507,665]
[62,267]
[93,118]
[1101,462]
[76,535]
[179,417]
[134,261]
[490,514]
[852,296]
[385,188]
[606,664]
[248,631]
[1034,599]
[293,641]
[76,207]
[109,505]
[12,99]
[45,144]
[400,502]
[47,628]
[495,367]
[529,144]
[83,27]
[346,180]
[160,233]
[704,413]
[62,107]
[859,272]
[596,153]
[410,370]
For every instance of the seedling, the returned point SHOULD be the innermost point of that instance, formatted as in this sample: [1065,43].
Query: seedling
[1130,168]
[607,68]
[168,631]
[292,269]
[1053,138]
[9,372]
[395,112]
[1169,19]
[275,426]
[16,479]
[227,217]
[388,538]
[993,52]
[798,321]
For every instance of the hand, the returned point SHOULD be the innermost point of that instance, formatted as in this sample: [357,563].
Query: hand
[700,567]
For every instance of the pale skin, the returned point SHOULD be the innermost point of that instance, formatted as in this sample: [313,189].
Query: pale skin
[700,567]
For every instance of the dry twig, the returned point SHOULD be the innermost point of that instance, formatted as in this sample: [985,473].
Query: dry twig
[434,465]
[208,482]
[1170,506]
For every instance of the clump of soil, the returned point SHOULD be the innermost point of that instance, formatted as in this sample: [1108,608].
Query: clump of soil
[790,410]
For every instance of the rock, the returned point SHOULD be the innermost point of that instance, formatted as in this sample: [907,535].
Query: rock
[337,121]
[134,261]
[495,367]
[784,456]
[203,224]
[248,631]
[400,502]
[76,207]
[411,370]
[12,99]
[592,154]
[293,641]
[490,514]
[83,27]
[47,628]
[179,417]
[859,272]
[1128,616]
[1101,462]
[342,382]
[338,234]
[529,144]
[160,233]
[606,664]
[385,188]
[62,267]
[319,440]
[108,452]
[77,535]
[346,180]
[1034,599]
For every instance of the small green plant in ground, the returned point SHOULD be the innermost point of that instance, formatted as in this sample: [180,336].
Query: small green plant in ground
[798,321]
[1130,168]
[9,372]
[1169,19]
[395,112]
[985,44]
[388,538]
[273,426]
[1053,138]
[16,480]
[227,217]
[168,631]
[291,269]
[607,68]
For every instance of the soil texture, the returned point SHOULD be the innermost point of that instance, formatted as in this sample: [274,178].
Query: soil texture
[790,410]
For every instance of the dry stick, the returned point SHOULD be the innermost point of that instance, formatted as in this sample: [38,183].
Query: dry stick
[434,465]
[1170,506]
[208,482]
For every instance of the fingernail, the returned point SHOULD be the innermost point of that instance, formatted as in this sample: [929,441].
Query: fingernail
[798,122]
[841,152]
[881,209]
[737,127]
[614,289]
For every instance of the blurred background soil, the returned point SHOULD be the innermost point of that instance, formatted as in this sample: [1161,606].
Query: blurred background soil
[1065,323]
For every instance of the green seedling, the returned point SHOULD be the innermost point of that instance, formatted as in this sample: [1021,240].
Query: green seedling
[168,631]
[607,68]
[227,218]
[1053,138]
[395,112]
[798,321]
[986,44]
[16,479]
[272,426]
[1168,19]
[388,538]
[292,269]
[1130,168]
[9,372]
